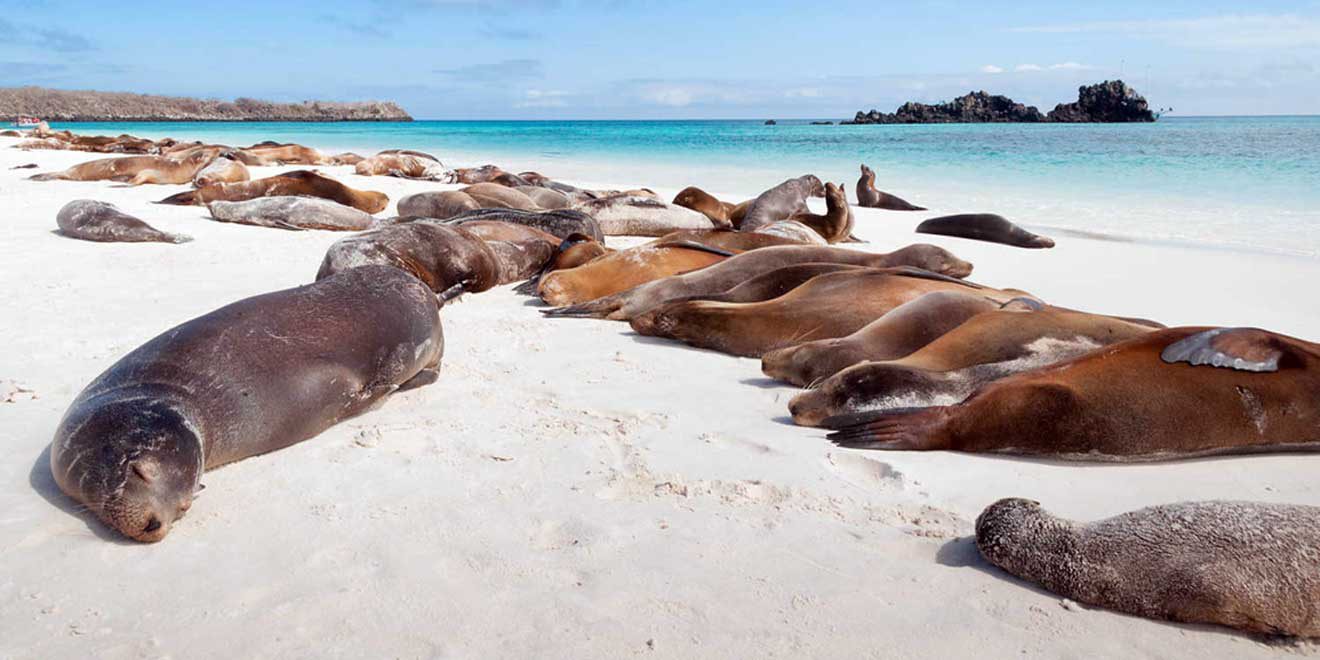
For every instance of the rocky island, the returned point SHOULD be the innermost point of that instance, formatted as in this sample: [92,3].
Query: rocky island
[66,105]
[1109,101]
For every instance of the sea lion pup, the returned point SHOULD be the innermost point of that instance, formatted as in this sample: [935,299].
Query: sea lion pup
[793,231]
[562,223]
[286,154]
[781,202]
[287,212]
[1174,393]
[448,260]
[1245,565]
[1023,335]
[634,215]
[706,204]
[837,223]
[346,158]
[437,204]
[221,170]
[984,227]
[728,274]
[725,239]
[870,198]
[306,183]
[135,170]
[829,305]
[249,378]
[907,328]
[623,270]
[401,165]
[91,220]
[544,197]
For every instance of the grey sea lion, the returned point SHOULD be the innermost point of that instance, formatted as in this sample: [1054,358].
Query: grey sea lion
[792,230]
[494,195]
[562,223]
[519,260]
[221,170]
[91,220]
[984,227]
[635,215]
[249,378]
[448,260]
[545,198]
[781,202]
[869,197]
[287,212]
[1246,565]
[437,204]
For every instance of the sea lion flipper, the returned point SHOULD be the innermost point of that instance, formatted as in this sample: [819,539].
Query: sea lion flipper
[423,378]
[904,428]
[922,273]
[693,245]
[1244,349]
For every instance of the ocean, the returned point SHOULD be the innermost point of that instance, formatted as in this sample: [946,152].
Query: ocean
[1242,183]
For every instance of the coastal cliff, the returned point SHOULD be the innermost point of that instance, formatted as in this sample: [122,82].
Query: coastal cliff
[1109,101]
[64,105]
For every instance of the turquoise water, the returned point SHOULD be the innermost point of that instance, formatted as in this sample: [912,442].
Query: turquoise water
[1234,181]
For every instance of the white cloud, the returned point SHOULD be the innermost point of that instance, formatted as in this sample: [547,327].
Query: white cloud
[990,68]
[1226,32]
[1027,67]
[1071,66]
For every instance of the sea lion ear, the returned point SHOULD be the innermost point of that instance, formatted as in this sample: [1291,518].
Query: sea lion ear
[146,468]
[1244,349]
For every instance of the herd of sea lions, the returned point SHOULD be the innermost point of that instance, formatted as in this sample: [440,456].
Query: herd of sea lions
[897,351]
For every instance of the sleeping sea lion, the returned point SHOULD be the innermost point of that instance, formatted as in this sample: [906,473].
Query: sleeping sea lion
[724,239]
[91,220]
[437,204]
[781,202]
[249,378]
[448,260]
[286,212]
[984,227]
[286,154]
[562,222]
[545,198]
[624,269]
[135,170]
[401,165]
[306,183]
[635,215]
[519,260]
[870,198]
[494,195]
[791,230]
[221,170]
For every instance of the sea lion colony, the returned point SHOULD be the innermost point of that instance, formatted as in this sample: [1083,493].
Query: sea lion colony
[898,351]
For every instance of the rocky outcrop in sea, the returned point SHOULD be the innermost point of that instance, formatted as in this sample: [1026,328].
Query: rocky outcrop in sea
[1109,101]
[66,105]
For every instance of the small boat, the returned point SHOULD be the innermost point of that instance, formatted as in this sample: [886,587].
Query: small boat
[27,122]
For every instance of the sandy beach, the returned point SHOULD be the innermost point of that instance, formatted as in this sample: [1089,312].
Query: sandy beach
[567,488]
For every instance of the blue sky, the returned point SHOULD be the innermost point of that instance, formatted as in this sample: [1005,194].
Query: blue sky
[473,59]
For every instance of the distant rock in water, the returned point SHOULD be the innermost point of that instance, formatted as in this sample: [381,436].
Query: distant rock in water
[822,123]
[1109,101]
[66,105]
[770,122]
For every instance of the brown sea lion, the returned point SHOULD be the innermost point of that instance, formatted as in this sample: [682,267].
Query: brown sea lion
[1020,336]
[728,274]
[306,183]
[829,305]
[837,223]
[907,328]
[249,378]
[870,198]
[286,154]
[793,231]
[545,198]
[221,170]
[1245,565]
[623,270]
[519,260]
[40,143]
[10,133]
[781,202]
[1174,393]
[448,260]
[494,195]
[91,220]
[346,158]
[706,204]
[494,230]
[984,227]
[773,284]
[574,192]
[286,212]
[401,165]
[562,222]
[135,170]
[635,215]
[437,204]
[725,239]
[471,175]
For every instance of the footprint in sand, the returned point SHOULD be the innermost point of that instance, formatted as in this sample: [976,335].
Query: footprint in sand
[864,472]
[731,442]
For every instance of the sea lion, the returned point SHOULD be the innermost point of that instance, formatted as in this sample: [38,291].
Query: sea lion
[571,252]
[221,170]
[448,260]
[519,260]
[1174,393]
[623,270]
[346,158]
[706,204]
[91,220]
[984,227]
[781,202]
[401,165]
[135,170]
[728,274]
[791,230]
[471,175]
[562,222]
[538,179]
[1020,336]
[25,166]
[907,328]
[249,378]
[725,239]
[494,230]
[306,183]
[773,284]
[287,212]
[41,144]
[836,225]
[545,198]
[10,133]
[286,154]
[870,198]
[494,195]
[830,305]
[437,204]
[1245,565]
[634,215]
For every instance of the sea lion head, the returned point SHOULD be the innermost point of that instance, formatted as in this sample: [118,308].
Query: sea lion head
[835,196]
[373,201]
[934,259]
[873,386]
[575,251]
[1016,534]
[867,172]
[814,186]
[136,464]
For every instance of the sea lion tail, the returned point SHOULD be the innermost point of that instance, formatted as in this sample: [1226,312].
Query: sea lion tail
[592,309]
[901,428]
[178,238]
[452,293]
[185,198]
[852,238]
[528,288]
[47,176]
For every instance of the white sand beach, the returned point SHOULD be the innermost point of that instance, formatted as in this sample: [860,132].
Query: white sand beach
[567,488]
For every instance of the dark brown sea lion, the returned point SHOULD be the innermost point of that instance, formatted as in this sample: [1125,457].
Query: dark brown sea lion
[870,198]
[781,202]
[1245,565]
[562,222]
[624,269]
[298,182]
[1175,393]
[829,305]
[1020,336]
[437,204]
[837,223]
[448,260]
[984,227]
[286,212]
[519,260]
[249,378]
[135,170]
[91,220]
[896,334]
[221,170]
[636,215]
[401,165]
[706,204]
[728,274]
